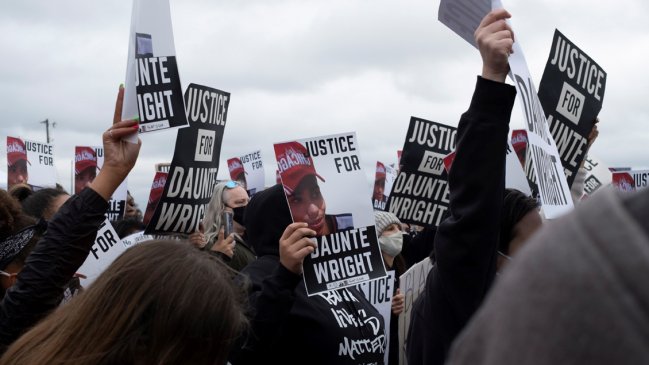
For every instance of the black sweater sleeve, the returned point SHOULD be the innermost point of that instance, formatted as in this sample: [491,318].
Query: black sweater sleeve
[466,241]
[272,294]
[51,265]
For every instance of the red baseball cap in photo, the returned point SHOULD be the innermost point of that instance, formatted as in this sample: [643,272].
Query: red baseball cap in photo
[236,168]
[294,165]
[380,171]
[519,139]
[84,157]
[16,150]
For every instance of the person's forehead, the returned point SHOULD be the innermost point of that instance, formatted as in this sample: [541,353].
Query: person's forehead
[236,194]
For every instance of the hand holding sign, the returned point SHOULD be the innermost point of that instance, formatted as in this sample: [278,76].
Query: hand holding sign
[225,245]
[294,245]
[119,155]
[495,39]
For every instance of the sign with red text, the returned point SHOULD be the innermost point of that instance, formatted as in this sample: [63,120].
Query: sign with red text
[30,162]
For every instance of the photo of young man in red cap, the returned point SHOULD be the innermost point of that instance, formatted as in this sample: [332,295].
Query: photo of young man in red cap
[300,181]
[379,184]
[85,167]
[16,162]
[238,173]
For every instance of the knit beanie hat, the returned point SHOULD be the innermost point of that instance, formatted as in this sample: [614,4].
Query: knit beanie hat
[383,220]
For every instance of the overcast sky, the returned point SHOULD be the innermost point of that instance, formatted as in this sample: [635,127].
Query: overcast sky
[303,68]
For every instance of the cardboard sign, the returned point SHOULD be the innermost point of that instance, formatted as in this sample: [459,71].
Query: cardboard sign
[420,192]
[383,181]
[87,161]
[153,90]
[412,284]
[157,188]
[379,292]
[631,180]
[248,170]
[571,93]
[326,188]
[104,251]
[195,163]
[597,175]
[30,162]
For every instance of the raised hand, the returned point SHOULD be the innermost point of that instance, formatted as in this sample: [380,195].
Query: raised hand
[495,39]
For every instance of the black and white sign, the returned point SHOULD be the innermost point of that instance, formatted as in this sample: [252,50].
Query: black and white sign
[420,193]
[195,164]
[571,93]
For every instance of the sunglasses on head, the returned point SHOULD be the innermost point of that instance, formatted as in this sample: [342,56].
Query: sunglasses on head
[231,184]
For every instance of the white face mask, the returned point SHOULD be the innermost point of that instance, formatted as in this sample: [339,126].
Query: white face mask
[391,244]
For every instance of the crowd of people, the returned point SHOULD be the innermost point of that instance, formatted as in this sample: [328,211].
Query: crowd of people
[506,286]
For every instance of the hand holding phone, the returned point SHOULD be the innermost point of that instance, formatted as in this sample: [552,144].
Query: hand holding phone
[227,219]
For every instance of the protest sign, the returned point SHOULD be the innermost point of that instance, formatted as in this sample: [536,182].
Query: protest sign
[631,180]
[412,283]
[195,164]
[153,91]
[545,163]
[571,93]
[379,292]
[383,181]
[519,142]
[162,167]
[597,175]
[157,188]
[420,193]
[104,251]
[348,250]
[87,160]
[30,162]
[136,239]
[248,170]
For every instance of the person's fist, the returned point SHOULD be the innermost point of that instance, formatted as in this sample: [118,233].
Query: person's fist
[495,40]
[398,303]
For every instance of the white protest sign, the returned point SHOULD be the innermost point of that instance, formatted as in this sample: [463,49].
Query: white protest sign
[104,251]
[30,162]
[136,238]
[515,176]
[548,172]
[248,170]
[631,180]
[326,188]
[412,283]
[597,175]
[153,90]
[542,150]
[379,292]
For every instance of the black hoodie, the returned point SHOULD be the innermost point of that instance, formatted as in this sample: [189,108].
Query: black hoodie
[289,327]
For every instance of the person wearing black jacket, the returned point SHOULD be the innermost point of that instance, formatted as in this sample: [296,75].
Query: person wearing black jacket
[288,326]
[70,235]
[466,243]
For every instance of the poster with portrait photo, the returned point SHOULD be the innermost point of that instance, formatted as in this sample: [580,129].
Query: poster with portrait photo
[30,162]
[152,90]
[157,188]
[383,180]
[631,180]
[248,170]
[326,188]
[88,160]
